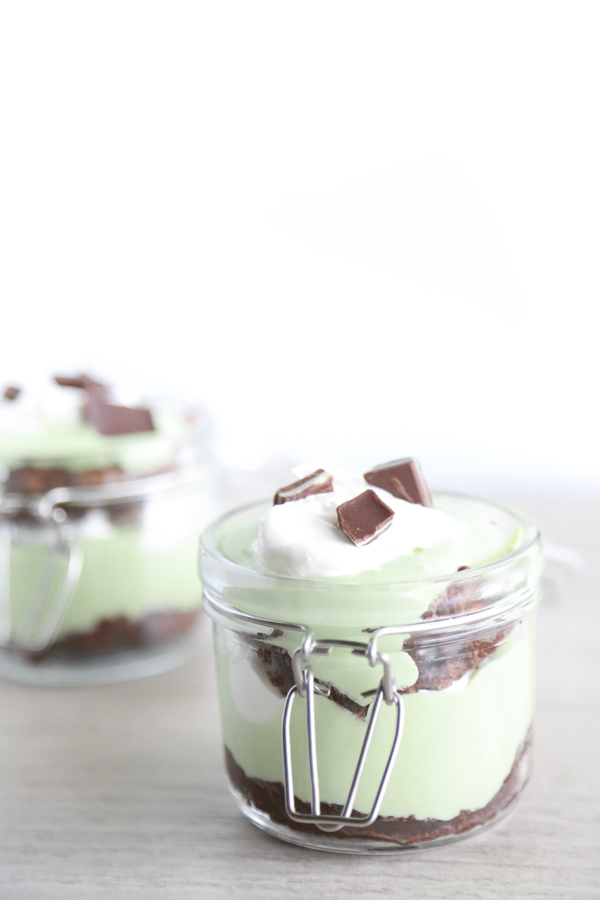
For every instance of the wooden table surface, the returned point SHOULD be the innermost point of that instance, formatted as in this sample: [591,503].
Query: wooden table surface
[119,791]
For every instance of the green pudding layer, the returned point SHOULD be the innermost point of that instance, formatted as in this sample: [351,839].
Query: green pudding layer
[119,577]
[457,748]
[137,559]
[78,446]
[461,734]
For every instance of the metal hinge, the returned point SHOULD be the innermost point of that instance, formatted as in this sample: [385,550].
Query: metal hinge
[306,687]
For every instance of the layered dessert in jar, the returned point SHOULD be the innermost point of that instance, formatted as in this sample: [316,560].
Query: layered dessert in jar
[374,649]
[103,497]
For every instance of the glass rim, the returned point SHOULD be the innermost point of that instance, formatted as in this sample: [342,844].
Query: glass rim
[43,504]
[531,538]
[197,440]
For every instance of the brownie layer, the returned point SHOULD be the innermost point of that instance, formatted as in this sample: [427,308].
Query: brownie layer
[277,664]
[34,480]
[269,798]
[440,663]
[120,633]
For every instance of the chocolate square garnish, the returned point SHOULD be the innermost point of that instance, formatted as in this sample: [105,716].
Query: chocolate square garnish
[403,478]
[12,392]
[364,517]
[109,419]
[79,381]
[319,482]
[105,417]
[68,381]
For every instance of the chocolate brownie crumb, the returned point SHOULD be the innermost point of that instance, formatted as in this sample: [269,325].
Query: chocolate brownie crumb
[269,797]
[34,480]
[275,633]
[276,662]
[120,633]
[460,597]
[439,664]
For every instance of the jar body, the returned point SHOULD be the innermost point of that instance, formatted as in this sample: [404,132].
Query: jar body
[134,599]
[463,674]
[463,759]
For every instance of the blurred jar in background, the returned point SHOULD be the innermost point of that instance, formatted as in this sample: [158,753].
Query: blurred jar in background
[103,498]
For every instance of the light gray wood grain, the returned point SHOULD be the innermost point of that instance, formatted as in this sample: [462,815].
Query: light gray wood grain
[119,791]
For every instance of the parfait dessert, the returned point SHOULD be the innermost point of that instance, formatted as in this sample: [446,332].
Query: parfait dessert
[103,496]
[374,649]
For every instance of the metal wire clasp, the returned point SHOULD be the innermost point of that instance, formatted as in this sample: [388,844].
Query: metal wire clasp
[306,687]
[53,591]
[49,600]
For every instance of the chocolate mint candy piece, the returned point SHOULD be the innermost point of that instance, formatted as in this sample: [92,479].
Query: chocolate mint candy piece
[79,381]
[109,419]
[67,381]
[11,392]
[319,482]
[364,517]
[403,478]
[104,416]
[90,384]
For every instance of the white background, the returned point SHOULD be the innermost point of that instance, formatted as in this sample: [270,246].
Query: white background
[357,231]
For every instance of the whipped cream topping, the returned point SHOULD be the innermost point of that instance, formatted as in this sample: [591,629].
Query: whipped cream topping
[48,405]
[41,406]
[46,424]
[302,538]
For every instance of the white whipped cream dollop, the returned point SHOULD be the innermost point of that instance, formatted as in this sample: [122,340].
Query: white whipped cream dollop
[302,538]
[41,406]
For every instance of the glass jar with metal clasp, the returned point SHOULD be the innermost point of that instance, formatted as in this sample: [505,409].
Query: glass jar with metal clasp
[97,580]
[352,724]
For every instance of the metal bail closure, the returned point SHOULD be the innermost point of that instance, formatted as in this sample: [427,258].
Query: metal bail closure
[307,687]
[49,600]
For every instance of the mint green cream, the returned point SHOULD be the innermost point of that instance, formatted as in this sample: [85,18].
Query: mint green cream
[459,743]
[138,550]
[77,446]
[127,570]
[131,567]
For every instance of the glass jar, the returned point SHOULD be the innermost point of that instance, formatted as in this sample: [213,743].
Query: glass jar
[97,564]
[355,721]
